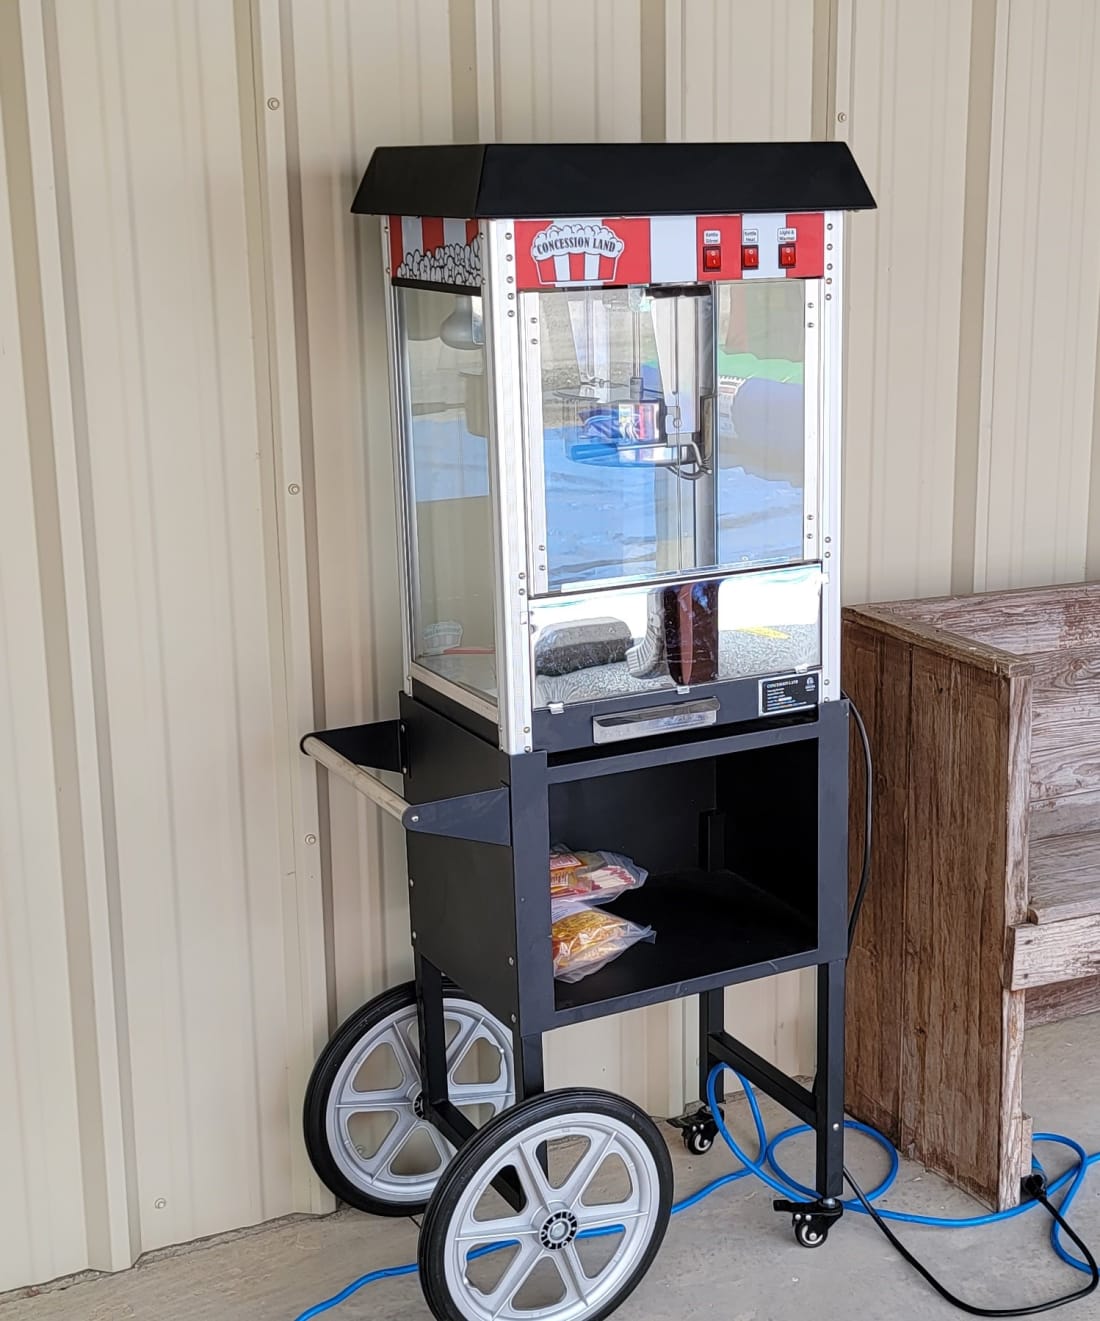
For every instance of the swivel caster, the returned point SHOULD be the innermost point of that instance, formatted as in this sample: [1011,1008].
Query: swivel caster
[697,1129]
[811,1221]
[806,1236]
[700,1140]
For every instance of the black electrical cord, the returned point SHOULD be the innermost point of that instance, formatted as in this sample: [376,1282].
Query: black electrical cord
[1034,1185]
[868,815]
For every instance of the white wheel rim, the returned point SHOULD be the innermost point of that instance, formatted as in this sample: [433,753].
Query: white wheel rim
[537,1231]
[373,1171]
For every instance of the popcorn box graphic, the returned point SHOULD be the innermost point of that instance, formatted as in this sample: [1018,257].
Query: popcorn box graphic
[576,254]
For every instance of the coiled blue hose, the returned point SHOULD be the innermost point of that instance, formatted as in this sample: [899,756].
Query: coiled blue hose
[768,1170]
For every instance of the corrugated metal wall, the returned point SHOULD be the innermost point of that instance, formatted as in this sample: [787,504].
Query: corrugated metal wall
[197,556]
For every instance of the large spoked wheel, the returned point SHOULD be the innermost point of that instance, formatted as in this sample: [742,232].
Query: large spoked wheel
[595,1180]
[363,1116]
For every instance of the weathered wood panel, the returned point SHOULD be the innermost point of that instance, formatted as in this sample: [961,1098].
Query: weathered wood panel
[1058,952]
[1064,878]
[962,1054]
[1051,1004]
[1065,754]
[1069,815]
[934,1038]
[876,677]
[1032,620]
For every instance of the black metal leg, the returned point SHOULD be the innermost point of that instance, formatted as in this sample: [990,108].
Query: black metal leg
[433,1031]
[711,1019]
[829,1082]
[528,1057]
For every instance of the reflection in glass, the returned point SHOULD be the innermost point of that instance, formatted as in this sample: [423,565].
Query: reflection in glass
[641,639]
[761,421]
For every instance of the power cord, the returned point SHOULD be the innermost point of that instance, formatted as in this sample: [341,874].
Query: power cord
[1035,1187]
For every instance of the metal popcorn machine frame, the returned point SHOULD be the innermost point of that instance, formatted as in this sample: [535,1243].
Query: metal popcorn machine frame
[616,385]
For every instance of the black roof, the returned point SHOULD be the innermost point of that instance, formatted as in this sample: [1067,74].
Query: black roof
[508,180]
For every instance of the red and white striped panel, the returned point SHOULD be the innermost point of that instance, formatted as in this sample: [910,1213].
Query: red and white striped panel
[435,250]
[665,249]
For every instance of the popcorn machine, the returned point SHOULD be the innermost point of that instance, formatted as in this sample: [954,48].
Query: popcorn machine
[615,376]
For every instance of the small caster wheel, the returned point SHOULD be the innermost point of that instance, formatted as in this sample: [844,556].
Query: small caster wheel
[363,1119]
[554,1210]
[807,1235]
[699,1140]
[811,1221]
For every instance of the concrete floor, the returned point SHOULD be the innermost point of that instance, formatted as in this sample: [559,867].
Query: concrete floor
[730,1258]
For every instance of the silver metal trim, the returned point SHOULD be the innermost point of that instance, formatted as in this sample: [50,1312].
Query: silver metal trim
[832,355]
[534,456]
[457,692]
[502,365]
[641,723]
[397,373]
[370,786]
[813,415]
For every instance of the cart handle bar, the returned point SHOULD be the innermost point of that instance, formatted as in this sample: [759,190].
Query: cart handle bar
[483,817]
[369,785]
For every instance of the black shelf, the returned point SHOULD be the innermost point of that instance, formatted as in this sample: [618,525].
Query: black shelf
[709,925]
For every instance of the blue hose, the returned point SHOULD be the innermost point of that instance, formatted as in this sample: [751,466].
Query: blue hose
[768,1170]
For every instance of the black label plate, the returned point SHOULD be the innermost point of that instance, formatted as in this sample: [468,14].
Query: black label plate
[790,692]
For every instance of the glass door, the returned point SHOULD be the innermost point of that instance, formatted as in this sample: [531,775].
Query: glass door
[669,431]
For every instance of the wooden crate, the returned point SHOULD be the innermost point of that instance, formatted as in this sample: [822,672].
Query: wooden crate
[984,907]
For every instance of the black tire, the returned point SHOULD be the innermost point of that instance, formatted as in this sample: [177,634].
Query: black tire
[315,1106]
[482,1147]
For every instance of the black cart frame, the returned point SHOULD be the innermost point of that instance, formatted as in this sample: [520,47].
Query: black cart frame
[743,825]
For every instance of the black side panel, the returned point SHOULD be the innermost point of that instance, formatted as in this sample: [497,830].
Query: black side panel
[652,815]
[461,715]
[463,894]
[445,760]
[770,801]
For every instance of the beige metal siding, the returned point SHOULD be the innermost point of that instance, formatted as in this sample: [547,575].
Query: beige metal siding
[197,541]
[42,1216]
[1037,439]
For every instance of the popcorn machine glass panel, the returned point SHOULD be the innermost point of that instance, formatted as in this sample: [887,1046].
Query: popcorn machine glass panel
[673,430]
[448,492]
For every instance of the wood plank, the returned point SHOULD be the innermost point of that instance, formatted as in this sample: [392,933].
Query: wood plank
[890,621]
[1065,752]
[1057,952]
[876,677]
[1064,878]
[1071,814]
[966,883]
[1051,1004]
[1025,621]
